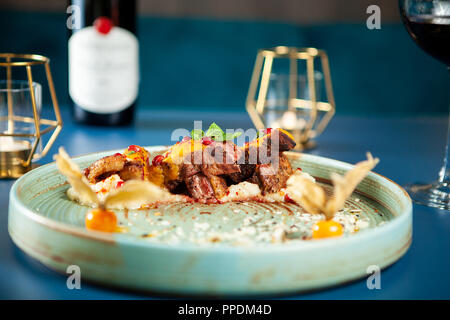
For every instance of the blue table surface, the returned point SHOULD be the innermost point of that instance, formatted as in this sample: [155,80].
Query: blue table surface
[410,149]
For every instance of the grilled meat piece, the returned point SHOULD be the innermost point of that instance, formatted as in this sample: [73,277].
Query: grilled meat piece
[132,170]
[177,187]
[246,171]
[201,170]
[104,166]
[219,185]
[254,178]
[221,158]
[199,187]
[271,177]
[191,164]
[188,169]
[260,151]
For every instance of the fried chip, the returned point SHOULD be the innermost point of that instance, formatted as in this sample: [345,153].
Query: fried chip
[74,176]
[135,192]
[345,185]
[312,197]
[306,192]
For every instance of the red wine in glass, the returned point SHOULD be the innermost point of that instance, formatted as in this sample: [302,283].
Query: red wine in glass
[428,23]
[431,34]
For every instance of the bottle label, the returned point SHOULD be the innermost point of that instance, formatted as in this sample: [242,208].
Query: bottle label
[103,69]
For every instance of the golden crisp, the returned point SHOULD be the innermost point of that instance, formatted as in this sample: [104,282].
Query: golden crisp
[312,196]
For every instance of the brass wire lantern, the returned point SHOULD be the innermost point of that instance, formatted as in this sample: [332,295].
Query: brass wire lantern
[316,113]
[13,163]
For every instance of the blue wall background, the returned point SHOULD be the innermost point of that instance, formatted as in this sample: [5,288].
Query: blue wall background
[205,64]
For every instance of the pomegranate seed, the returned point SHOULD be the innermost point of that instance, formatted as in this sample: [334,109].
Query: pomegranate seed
[117,154]
[134,148]
[157,160]
[207,141]
[119,184]
[103,25]
[288,199]
[268,131]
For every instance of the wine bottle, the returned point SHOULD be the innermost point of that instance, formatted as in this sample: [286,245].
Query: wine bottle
[103,61]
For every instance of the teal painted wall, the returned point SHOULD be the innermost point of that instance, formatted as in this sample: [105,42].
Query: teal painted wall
[206,64]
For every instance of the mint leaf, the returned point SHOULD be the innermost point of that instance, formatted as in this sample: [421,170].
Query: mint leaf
[232,136]
[197,134]
[260,133]
[215,132]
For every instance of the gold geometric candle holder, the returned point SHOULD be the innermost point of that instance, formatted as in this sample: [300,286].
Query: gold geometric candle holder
[300,111]
[21,132]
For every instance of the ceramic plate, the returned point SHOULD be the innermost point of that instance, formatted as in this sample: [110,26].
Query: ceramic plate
[212,249]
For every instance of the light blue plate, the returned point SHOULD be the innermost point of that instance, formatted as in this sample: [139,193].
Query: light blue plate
[165,249]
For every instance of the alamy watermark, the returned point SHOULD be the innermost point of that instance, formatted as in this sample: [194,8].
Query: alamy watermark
[74,278]
[374,19]
[374,280]
[74,17]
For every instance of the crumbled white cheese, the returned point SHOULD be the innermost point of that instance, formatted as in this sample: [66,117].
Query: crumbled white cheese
[241,191]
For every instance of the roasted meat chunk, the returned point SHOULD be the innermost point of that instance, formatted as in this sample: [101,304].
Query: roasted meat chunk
[219,186]
[259,152]
[132,170]
[191,164]
[104,166]
[199,187]
[266,149]
[246,170]
[271,177]
[221,158]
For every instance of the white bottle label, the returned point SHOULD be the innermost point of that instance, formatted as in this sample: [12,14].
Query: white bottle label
[103,69]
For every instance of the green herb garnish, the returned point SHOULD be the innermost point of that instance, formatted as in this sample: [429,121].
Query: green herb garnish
[215,133]
[197,134]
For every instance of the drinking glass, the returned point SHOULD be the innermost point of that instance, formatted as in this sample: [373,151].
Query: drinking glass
[15,104]
[280,112]
[428,23]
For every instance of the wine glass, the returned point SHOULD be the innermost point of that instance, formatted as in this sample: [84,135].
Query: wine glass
[428,23]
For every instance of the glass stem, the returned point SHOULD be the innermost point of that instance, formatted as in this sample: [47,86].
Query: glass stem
[444,174]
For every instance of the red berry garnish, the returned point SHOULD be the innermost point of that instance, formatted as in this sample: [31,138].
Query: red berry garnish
[268,131]
[134,148]
[288,199]
[117,154]
[207,141]
[119,184]
[103,25]
[157,160]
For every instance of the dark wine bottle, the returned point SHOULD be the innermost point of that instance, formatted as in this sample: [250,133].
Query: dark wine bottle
[103,61]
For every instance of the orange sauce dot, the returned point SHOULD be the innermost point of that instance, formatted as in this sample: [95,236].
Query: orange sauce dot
[327,228]
[101,220]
